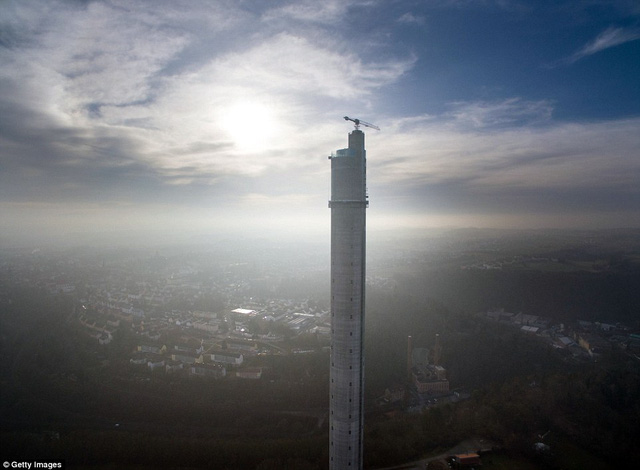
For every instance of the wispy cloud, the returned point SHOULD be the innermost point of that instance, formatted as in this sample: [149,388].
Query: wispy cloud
[465,4]
[410,18]
[509,112]
[294,63]
[518,166]
[311,11]
[610,37]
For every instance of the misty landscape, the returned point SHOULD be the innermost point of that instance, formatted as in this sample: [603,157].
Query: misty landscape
[217,356]
[209,259]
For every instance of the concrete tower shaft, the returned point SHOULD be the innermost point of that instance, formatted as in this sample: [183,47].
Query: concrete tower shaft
[348,237]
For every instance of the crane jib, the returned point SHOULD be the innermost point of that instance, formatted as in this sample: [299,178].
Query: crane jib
[360,122]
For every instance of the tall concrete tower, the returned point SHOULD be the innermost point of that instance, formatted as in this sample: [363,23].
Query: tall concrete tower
[348,230]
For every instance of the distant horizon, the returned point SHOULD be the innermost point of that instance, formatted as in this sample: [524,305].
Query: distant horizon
[221,115]
[153,239]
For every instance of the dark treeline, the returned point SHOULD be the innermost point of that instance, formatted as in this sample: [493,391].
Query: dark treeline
[113,449]
[475,352]
[523,388]
[563,296]
[590,420]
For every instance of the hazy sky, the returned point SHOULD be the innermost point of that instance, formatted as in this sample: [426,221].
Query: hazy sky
[205,116]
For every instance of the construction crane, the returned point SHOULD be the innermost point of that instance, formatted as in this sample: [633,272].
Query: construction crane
[359,122]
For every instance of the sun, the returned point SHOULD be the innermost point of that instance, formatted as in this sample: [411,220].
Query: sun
[251,125]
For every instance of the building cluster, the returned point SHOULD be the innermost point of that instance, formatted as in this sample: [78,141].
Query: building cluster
[102,328]
[426,383]
[198,343]
[181,314]
[426,373]
[295,316]
[581,339]
[188,357]
[431,379]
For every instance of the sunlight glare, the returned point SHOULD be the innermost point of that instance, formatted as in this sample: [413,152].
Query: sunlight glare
[252,126]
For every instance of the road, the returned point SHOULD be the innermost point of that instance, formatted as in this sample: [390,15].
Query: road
[468,445]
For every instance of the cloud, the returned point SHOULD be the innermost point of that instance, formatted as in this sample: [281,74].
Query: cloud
[410,18]
[508,112]
[295,64]
[466,4]
[610,37]
[442,162]
[311,11]
[114,87]
[219,109]
[99,54]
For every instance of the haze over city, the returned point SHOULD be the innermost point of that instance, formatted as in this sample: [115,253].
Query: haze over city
[191,118]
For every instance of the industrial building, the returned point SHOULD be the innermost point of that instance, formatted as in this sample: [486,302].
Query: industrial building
[427,377]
